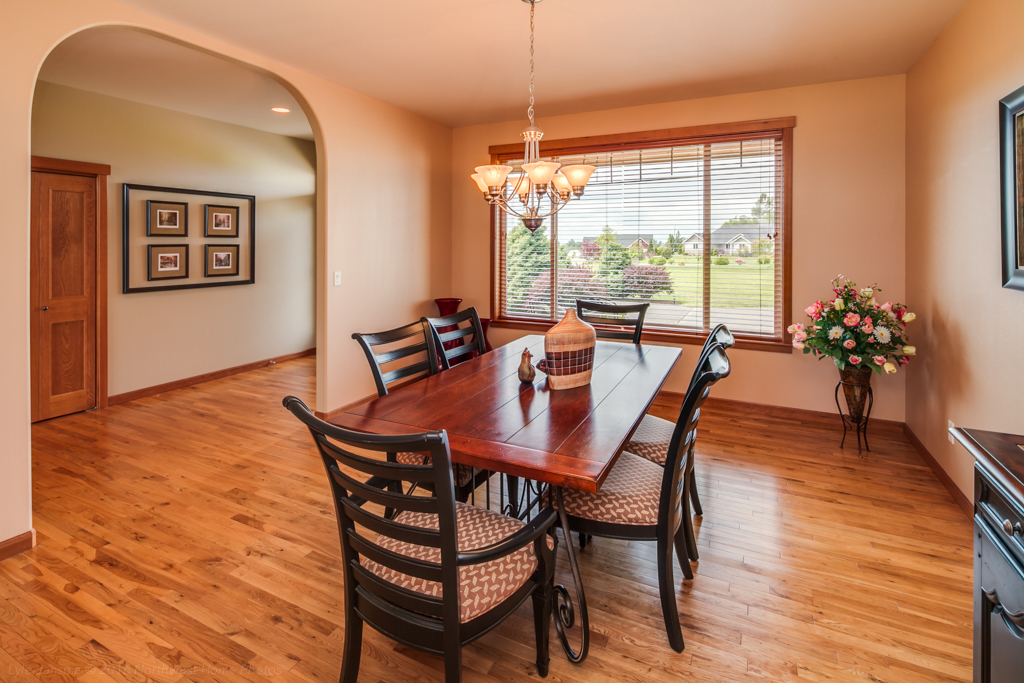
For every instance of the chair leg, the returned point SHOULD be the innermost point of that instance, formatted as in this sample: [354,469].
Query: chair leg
[542,625]
[352,650]
[694,497]
[668,592]
[453,664]
[686,526]
[683,553]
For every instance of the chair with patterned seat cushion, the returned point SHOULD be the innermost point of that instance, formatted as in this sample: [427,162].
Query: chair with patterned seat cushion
[439,574]
[394,356]
[652,437]
[457,344]
[643,501]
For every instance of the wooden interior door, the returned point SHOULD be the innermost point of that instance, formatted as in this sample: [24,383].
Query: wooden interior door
[63,294]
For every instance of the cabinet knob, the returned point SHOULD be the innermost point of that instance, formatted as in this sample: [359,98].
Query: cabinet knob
[1010,528]
[46,308]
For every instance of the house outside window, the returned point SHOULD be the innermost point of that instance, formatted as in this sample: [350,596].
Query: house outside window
[695,223]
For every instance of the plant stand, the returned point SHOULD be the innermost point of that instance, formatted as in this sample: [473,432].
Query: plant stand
[859,425]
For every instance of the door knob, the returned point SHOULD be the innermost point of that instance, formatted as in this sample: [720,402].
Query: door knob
[46,308]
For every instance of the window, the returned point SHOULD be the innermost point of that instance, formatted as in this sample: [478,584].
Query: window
[694,221]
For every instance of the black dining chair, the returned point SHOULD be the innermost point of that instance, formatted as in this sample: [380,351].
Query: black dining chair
[615,316]
[652,437]
[450,337]
[642,501]
[404,345]
[439,574]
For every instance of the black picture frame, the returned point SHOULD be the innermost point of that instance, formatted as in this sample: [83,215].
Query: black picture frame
[149,262]
[211,231]
[126,287]
[210,272]
[1011,164]
[153,230]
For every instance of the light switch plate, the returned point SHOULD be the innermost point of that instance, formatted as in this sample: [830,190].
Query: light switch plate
[337,278]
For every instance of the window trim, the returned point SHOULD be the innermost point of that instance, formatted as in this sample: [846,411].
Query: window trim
[662,138]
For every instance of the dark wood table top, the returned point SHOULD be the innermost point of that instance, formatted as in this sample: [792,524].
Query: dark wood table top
[1001,455]
[566,438]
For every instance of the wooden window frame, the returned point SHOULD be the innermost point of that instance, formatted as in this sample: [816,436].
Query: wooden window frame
[664,138]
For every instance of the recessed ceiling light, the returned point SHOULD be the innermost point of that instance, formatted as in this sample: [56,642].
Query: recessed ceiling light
[280,110]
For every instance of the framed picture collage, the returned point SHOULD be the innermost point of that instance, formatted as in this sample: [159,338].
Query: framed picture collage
[164,247]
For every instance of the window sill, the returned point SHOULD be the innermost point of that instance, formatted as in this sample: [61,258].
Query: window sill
[744,343]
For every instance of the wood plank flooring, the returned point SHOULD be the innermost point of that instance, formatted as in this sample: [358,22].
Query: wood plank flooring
[189,537]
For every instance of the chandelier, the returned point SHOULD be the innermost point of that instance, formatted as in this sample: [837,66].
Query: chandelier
[544,187]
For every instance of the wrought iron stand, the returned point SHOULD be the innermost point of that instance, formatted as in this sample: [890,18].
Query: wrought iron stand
[857,425]
[523,498]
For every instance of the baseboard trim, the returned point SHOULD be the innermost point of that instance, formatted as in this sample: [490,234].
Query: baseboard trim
[965,504]
[348,406]
[714,404]
[117,399]
[18,544]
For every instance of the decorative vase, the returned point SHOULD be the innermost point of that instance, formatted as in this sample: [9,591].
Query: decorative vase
[856,381]
[568,353]
[447,306]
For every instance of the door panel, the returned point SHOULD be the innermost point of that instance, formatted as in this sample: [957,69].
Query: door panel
[63,294]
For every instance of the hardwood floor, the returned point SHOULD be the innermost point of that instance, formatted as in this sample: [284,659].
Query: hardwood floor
[189,536]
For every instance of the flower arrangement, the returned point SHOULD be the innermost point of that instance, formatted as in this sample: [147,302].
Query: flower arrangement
[855,330]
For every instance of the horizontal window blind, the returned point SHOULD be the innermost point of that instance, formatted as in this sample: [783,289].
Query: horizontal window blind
[695,229]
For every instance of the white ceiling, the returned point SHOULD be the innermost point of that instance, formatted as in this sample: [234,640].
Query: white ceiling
[142,68]
[462,62]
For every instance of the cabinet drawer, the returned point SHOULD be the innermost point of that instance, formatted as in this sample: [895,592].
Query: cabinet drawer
[998,609]
[1001,515]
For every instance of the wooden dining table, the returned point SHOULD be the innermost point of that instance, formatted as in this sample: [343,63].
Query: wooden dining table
[569,438]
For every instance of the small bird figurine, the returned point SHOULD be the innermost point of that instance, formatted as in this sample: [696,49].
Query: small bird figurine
[526,371]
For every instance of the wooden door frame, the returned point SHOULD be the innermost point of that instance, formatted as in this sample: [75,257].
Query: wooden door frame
[100,172]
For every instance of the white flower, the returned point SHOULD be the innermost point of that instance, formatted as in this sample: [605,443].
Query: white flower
[835,333]
[909,350]
[909,317]
[883,335]
[867,292]
[840,304]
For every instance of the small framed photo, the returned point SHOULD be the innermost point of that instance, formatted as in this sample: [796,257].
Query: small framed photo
[221,221]
[221,260]
[166,219]
[168,262]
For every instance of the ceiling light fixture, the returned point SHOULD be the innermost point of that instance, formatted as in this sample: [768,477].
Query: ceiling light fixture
[280,110]
[539,180]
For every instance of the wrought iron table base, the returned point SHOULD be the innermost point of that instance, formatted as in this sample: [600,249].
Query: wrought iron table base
[565,616]
[858,426]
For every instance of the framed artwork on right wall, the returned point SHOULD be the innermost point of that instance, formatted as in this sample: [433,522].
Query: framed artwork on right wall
[1011,157]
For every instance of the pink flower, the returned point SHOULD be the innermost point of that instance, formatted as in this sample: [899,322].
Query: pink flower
[814,310]
[879,360]
[815,328]
[868,320]
[903,360]
[868,328]
[798,345]
[851,319]
[795,327]
[854,360]
[887,306]
[849,343]
[899,313]
[799,335]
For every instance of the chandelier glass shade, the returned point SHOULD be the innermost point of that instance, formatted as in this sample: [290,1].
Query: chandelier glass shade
[542,188]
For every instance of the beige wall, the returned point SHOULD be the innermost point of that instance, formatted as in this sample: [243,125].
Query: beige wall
[397,244]
[971,367]
[158,337]
[848,214]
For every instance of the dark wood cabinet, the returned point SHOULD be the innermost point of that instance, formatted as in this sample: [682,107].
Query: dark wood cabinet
[998,555]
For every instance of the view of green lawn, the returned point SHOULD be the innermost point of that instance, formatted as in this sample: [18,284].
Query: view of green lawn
[733,286]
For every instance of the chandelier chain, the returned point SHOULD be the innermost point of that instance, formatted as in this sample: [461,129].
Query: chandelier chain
[530,110]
